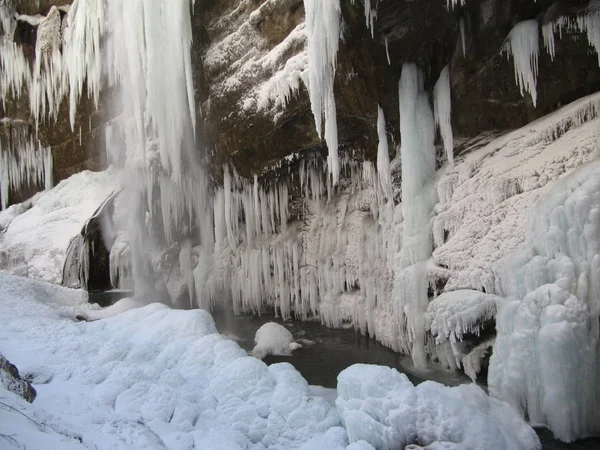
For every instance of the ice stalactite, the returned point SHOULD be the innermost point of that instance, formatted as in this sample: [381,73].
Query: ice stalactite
[323,29]
[548,330]
[417,130]
[68,56]
[442,105]
[23,162]
[587,21]
[522,44]
[451,4]
[463,35]
[383,157]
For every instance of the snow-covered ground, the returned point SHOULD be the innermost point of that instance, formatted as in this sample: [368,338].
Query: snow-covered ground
[157,378]
[35,235]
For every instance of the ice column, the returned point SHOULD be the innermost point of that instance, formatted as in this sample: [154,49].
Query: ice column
[442,104]
[417,131]
[323,29]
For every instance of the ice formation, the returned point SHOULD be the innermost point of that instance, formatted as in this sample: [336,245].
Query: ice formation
[587,21]
[323,28]
[523,45]
[418,198]
[548,334]
[442,105]
[383,157]
[24,163]
[164,183]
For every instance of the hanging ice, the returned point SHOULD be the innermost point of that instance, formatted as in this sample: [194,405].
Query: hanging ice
[323,29]
[383,157]
[587,21]
[442,104]
[25,162]
[523,45]
[546,359]
[418,166]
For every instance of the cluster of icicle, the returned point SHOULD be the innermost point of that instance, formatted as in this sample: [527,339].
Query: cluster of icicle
[67,53]
[67,56]
[337,258]
[523,43]
[23,162]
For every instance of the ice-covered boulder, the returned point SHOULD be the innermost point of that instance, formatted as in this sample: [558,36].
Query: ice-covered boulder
[273,339]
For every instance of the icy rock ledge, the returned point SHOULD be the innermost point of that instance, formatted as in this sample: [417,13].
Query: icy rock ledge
[273,339]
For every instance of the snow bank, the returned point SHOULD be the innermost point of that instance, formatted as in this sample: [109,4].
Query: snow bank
[381,406]
[38,234]
[273,339]
[157,378]
[153,378]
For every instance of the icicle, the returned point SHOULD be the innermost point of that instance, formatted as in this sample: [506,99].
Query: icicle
[523,45]
[463,35]
[323,30]
[387,51]
[442,103]
[383,157]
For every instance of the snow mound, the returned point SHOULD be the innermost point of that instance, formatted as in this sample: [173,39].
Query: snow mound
[273,339]
[381,406]
[38,233]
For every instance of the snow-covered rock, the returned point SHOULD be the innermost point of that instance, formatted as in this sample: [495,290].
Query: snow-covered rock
[37,234]
[273,339]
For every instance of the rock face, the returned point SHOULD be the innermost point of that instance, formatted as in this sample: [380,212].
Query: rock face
[12,381]
[251,76]
[244,49]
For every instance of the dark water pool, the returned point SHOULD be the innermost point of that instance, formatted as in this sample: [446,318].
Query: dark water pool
[334,350]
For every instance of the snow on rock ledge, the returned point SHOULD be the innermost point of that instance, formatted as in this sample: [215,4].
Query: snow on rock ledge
[36,235]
